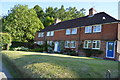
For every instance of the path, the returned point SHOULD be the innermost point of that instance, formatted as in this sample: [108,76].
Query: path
[4,73]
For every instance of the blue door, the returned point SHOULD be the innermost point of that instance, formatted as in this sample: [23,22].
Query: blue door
[110,49]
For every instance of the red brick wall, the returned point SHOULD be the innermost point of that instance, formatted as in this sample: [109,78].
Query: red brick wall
[109,33]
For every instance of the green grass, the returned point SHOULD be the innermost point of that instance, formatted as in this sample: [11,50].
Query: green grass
[42,65]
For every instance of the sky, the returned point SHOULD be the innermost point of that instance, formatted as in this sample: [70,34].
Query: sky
[110,6]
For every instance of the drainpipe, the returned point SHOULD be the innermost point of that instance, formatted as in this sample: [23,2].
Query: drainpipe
[79,35]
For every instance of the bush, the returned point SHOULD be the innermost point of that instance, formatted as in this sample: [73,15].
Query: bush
[20,49]
[70,52]
[37,50]
[90,52]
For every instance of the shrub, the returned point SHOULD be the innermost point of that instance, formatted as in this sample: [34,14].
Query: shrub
[37,50]
[20,49]
[90,52]
[70,52]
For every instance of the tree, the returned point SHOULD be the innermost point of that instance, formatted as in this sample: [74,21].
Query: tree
[5,40]
[48,21]
[22,23]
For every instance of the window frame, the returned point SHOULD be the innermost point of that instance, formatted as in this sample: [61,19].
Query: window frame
[74,32]
[72,43]
[87,44]
[87,29]
[95,30]
[40,42]
[96,44]
[41,34]
[50,33]
[68,33]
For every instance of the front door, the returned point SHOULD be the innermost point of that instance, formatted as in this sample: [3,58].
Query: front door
[57,47]
[110,50]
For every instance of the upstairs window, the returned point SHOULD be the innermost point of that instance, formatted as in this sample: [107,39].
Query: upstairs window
[96,44]
[40,34]
[68,31]
[50,33]
[71,31]
[88,29]
[74,31]
[97,28]
[87,44]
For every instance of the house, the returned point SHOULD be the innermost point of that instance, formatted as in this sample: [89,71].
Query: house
[97,31]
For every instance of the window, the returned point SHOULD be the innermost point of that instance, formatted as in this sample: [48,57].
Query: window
[67,31]
[74,31]
[71,31]
[40,34]
[87,44]
[96,44]
[70,44]
[67,44]
[97,28]
[49,42]
[40,42]
[88,29]
[50,33]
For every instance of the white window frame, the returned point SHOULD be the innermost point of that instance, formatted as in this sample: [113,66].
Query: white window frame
[88,42]
[95,30]
[66,44]
[49,42]
[72,42]
[41,34]
[40,42]
[74,29]
[68,31]
[50,33]
[96,44]
[88,29]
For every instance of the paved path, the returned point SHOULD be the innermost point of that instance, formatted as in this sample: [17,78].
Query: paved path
[4,73]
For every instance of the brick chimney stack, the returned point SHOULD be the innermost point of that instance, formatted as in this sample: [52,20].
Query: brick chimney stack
[92,11]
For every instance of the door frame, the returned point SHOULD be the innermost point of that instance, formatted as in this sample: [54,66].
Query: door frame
[107,49]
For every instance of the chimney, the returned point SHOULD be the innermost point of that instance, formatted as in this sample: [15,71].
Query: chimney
[57,21]
[92,11]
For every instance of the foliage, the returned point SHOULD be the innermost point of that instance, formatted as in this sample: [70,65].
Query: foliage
[22,23]
[90,52]
[61,13]
[37,50]
[20,49]
[70,52]
[5,39]
[44,65]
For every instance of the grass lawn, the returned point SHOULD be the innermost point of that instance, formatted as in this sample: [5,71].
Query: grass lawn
[42,65]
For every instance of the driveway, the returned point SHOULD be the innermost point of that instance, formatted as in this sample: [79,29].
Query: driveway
[4,73]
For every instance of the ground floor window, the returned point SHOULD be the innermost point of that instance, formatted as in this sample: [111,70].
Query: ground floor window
[87,43]
[40,42]
[49,42]
[70,44]
[94,44]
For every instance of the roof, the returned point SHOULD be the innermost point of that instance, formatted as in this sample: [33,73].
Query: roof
[82,21]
